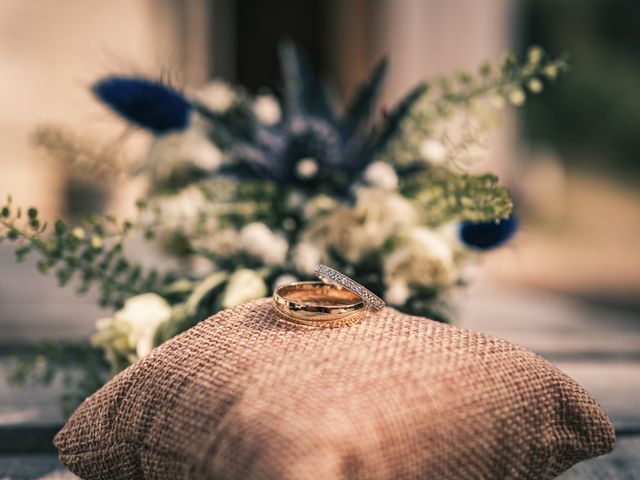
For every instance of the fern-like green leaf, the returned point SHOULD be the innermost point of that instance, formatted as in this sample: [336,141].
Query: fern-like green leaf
[303,93]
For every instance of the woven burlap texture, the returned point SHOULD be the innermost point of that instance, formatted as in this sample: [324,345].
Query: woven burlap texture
[245,396]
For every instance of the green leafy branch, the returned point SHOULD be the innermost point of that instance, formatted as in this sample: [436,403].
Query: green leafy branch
[443,195]
[90,254]
[473,98]
[511,77]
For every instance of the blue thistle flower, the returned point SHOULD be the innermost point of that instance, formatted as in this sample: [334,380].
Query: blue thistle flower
[488,235]
[145,103]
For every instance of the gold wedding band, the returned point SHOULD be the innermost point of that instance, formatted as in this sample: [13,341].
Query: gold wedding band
[318,304]
[335,301]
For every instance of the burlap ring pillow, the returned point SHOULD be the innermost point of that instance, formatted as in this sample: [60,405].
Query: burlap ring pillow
[245,396]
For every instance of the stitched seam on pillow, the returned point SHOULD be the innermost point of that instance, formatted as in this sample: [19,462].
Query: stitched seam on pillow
[140,445]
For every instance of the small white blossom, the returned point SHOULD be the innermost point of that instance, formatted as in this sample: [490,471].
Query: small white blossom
[258,240]
[433,151]
[535,85]
[535,55]
[307,168]
[78,233]
[517,97]
[96,242]
[550,71]
[306,257]
[267,109]
[382,175]
[217,96]
[243,285]
[397,293]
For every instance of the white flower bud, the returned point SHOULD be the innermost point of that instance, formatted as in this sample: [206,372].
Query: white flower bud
[217,96]
[307,168]
[517,97]
[433,151]
[267,109]
[535,85]
[550,71]
[78,233]
[382,175]
[535,55]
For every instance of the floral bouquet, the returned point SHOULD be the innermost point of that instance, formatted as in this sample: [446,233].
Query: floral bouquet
[249,192]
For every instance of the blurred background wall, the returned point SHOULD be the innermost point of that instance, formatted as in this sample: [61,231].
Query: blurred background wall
[571,155]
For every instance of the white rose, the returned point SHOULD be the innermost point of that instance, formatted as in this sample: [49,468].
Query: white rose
[306,257]
[217,96]
[258,240]
[421,258]
[364,229]
[267,109]
[243,285]
[131,331]
[382,175]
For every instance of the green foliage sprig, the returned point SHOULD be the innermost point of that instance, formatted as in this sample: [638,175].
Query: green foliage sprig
[443,195]
[90,254]
[82,368]
[482,94]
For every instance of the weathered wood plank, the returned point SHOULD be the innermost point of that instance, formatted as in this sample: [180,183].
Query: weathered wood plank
[32,307]
[29,406]
[557,327]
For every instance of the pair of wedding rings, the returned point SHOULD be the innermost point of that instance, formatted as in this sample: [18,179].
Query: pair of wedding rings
[336,300]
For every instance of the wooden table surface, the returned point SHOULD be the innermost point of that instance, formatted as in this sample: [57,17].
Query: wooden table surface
[598,346]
